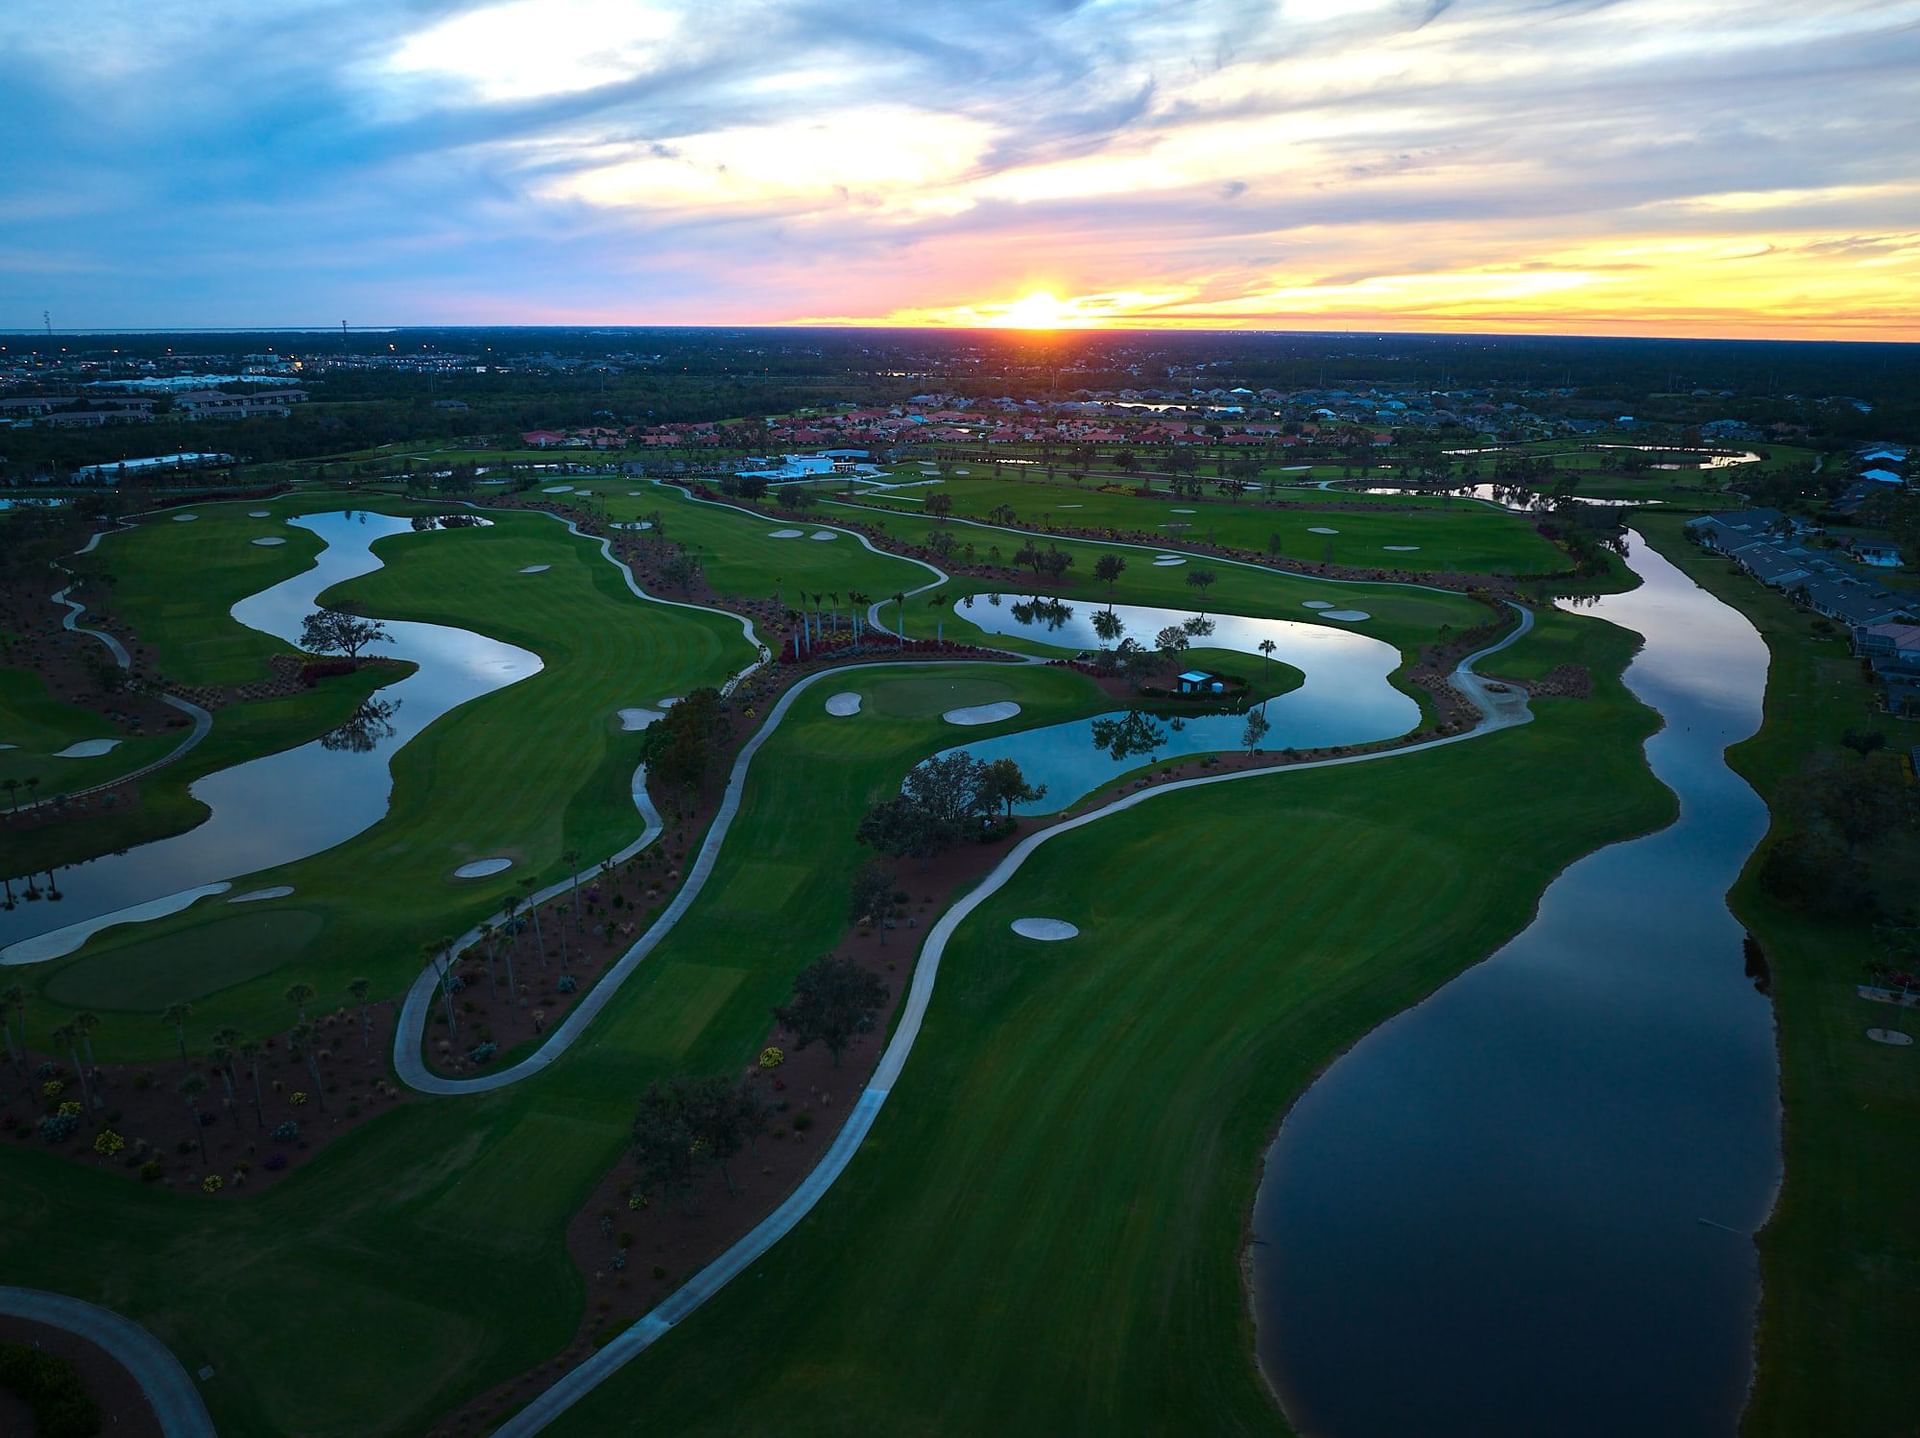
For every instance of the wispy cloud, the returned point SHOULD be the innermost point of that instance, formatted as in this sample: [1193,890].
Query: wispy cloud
[1701,166]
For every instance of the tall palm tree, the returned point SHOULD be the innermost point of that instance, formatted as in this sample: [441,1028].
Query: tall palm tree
[191,1087]
[1267,646]
[85,1024]
[300,995]
[221,1057]
[175,1016]
[249,1050]
[301,1042]
[64,1037]
[533,909]
[509,909]
[436,956]
[359,988]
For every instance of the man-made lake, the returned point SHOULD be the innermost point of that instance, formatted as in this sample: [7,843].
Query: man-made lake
[1344,696]
[1526,1205]
[285,806]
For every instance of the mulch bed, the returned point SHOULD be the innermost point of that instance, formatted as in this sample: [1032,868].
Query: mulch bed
[141,1105]
[124,1410]
[632,1257]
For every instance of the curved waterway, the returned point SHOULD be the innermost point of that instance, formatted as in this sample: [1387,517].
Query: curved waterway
[1525,1206]
[1345,695]
[286,806]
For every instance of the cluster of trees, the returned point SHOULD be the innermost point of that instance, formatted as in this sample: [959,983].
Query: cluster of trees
[1835,811]
[942,802]
[680,746]
[1051,562]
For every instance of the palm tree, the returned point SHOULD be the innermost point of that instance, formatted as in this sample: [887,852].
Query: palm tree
[900,616]
[64,1037]
[191,1087]
[12,998]
[249,1050]
[175,1016]
[85,1024]
[221,1057]
[436,956]
[300,995]
[572,860]
[1267,646]
[301,1042]
[12,786]
[539,938]
[359,988]
[513,945]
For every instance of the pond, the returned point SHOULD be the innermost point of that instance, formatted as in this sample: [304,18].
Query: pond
[287,806]
[1527,1204]
[1344,696]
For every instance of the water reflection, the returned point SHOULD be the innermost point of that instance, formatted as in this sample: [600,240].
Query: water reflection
[370,725]
[1344,696]
[286,806]
[1544,1177]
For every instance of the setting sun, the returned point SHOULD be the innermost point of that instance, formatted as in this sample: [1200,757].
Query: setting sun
[1038,311]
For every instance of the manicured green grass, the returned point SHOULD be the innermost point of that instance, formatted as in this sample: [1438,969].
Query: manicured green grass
[1460,536]
[39,726]
[531,771]
[437,1231]
[1840,1258]
[1043,1233]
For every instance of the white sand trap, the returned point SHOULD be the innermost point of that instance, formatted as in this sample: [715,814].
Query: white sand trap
[481,868]
[1320,529]
[631,719]
[1048,930]
[668,702]
[558,489]
[1317,604]
[536,569]
[269,541]
[1185,511]
[785,533]
[259,514]
[841,705]
[1890,1036]
[982,713]
[9,746]
[1073,506]
[278,891]
[1349,616]
[185,518]
[963,471]
[1167,561]
[823,534]
[88,749]
[636,524]
[1401,548]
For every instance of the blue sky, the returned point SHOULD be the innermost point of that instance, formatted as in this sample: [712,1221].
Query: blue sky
[1613,166]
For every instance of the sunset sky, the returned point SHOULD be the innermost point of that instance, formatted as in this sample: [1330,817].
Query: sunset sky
[1687,167]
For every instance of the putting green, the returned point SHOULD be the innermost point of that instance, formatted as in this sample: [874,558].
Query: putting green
[920,697]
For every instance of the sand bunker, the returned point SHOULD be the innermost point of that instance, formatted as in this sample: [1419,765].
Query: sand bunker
[1320,529]
[635,524]
[88,749]
[1890,1036]
[785,533]
[1317,604]
[1350,616]
[1401,548]
[1073,506]
[841,705]
[631,719]
[982,713]
[1167,561]
[823,534]
[269,541]
[558,489]
[536,569]
[185,518]
[1185,511]
[1048,930]
[668,702]
[278,891]
[259,514]
[481,868]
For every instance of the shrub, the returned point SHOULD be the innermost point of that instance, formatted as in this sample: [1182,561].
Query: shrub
[212,1183]
[802,1121]
[69,1109]
[53,1088]
[482,1053]
[151,1170]
[297,1097]
[52,1389]
[772,1057]
[58,1127]
[567,984]
[107,1143]
[286,1132]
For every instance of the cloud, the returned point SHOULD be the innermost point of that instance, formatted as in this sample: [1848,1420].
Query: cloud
[745,160]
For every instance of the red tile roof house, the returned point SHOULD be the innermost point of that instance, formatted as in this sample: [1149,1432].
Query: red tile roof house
[541,439]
